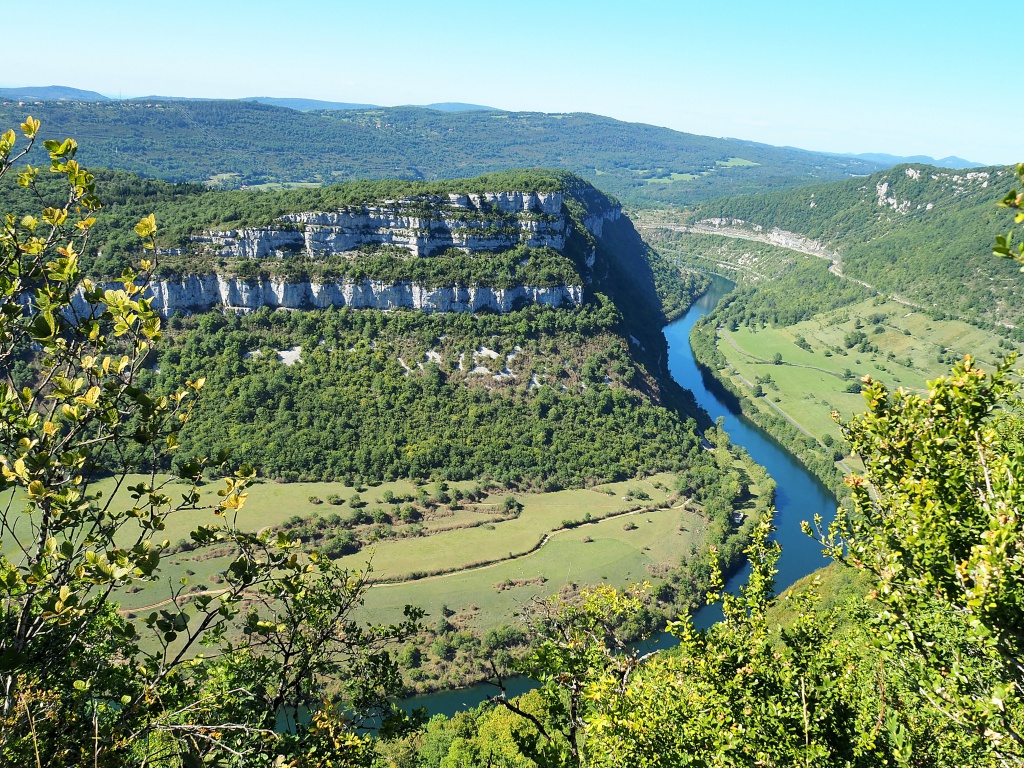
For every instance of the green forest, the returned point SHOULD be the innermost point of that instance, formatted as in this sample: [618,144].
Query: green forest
[276,667]
[242,142]
[379,396]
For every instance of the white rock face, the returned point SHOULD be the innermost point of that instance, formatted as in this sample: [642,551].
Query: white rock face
[424,226]
[198,293]
[595,222]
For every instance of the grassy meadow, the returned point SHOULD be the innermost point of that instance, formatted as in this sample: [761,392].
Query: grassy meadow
[814,379]
[610,550]
[471,559]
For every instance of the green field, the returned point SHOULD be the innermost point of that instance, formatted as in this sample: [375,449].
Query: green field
[629,540]
[614,555]
[912,349]
[674,176]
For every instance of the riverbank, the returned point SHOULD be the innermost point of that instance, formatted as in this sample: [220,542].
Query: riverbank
[799,495]
[815,456]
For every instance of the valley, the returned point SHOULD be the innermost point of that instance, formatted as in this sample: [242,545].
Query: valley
[496,425]
[805,325]
[462,383]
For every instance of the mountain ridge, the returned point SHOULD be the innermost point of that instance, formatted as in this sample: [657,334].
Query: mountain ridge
[234,143]
[952,161]
[915,231]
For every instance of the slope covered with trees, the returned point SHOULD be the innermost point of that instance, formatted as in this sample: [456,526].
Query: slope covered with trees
[921,233]
[240,142]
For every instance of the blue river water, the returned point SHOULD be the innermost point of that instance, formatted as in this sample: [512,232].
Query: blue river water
[798,496]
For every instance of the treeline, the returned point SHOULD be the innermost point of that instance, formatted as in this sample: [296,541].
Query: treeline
[544,396]
[236,142]
[804,289]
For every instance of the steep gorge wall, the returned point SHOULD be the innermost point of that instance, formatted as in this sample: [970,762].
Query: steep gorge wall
[473,222]
[199,293]
[423,226]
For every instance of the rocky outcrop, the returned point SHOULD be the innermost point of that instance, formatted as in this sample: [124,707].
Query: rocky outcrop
[595,221]
[739,228]
[422,225]
[198,293]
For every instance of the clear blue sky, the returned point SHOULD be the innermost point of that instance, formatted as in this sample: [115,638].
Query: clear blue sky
[937,78]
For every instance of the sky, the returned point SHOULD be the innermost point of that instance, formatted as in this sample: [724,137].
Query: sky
[904,77]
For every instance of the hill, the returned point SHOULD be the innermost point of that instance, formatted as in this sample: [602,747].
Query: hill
[457,106]
[51,93]
[952,161]
[920,233]
[577,296]
[235,143]
[304,105]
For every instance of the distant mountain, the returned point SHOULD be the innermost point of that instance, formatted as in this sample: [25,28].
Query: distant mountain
[51,93]
[458,106]
[235,143]
[890,160]
[306,105]
[64,93]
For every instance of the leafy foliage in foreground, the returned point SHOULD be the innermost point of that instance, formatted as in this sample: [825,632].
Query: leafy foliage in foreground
[81,682]
[937,521]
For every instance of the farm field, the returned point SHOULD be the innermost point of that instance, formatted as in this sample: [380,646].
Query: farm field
[893,343]
[614,555]
[629,539]
[541,514]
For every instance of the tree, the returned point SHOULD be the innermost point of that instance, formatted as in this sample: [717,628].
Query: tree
[577,643]
[205,674]
[1014,200]
[936,520]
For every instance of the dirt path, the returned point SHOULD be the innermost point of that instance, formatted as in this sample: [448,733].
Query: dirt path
[400,582]
[772,403]
[743,352]
[495,563]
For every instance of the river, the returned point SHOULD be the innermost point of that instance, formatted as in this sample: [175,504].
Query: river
[798,496]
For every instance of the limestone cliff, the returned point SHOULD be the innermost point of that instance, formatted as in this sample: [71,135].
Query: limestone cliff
[422,225]
[198,293]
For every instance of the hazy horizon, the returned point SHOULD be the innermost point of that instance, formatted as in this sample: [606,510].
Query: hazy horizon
[877,79]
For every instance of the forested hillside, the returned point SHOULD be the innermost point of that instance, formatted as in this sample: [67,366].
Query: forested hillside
[230,143]
[921,233]
[268,662]
[551,396]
